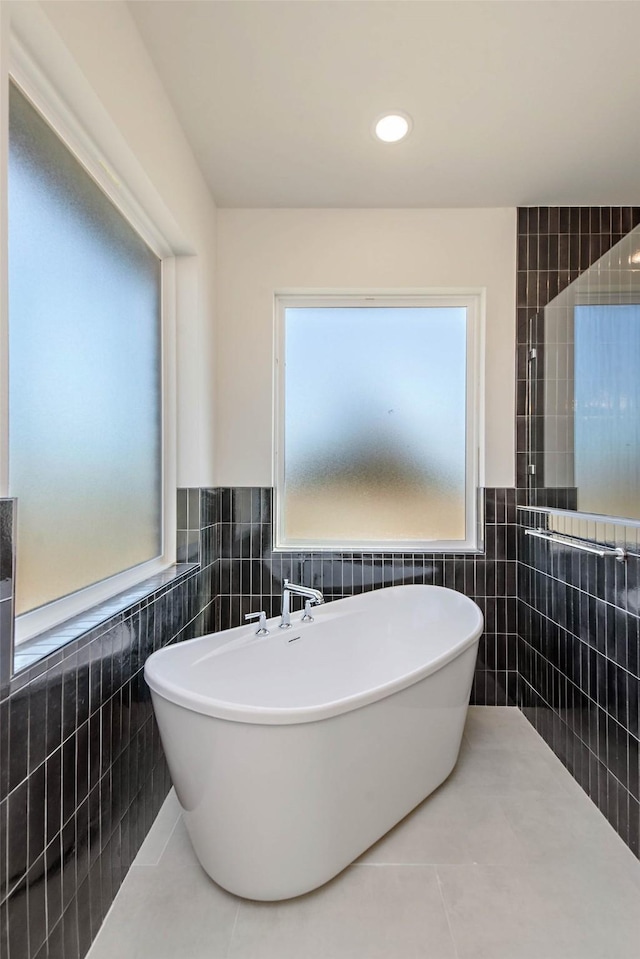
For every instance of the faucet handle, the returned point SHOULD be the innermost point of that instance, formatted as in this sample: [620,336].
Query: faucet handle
[262,625]
[307,617]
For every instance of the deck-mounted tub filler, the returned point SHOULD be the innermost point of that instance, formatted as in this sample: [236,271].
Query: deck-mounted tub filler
[293,751]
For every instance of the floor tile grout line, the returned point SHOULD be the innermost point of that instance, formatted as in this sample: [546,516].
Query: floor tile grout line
[446,913]
[393,865]
[233,931]
[500,797]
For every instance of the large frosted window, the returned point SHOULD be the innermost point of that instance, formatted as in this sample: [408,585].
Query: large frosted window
[85,381]
[607,408]
[374,439]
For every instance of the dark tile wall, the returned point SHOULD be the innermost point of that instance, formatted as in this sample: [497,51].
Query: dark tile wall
[579,661]
[251,576]
[555,245]
[82,773]
[578,615]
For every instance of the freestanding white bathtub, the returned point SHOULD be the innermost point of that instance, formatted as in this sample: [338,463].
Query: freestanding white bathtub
[292,753]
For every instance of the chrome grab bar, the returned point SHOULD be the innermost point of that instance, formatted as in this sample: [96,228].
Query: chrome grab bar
[618,551]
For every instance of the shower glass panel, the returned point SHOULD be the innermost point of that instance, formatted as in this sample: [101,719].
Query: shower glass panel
[84,368]
[375,426]
[585,390]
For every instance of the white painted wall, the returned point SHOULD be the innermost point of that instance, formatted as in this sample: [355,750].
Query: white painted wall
[94,53]
[224,424]
[264,251]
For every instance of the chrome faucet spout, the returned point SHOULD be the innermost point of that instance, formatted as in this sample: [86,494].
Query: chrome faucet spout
[314,596]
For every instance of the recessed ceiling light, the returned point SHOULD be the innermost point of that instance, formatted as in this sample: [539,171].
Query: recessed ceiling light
[635,257]
[392,127]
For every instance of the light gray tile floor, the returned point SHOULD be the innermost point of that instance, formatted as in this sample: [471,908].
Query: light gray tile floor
[508,859]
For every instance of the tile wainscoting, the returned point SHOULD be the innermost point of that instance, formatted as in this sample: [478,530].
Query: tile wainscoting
[250,576]
[578,618]
[83,769]
[83,774]
[579,661]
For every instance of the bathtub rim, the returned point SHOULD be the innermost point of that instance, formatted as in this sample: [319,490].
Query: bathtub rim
[177,694]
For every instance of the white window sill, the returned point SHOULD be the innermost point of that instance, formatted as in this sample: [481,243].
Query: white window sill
[54,641]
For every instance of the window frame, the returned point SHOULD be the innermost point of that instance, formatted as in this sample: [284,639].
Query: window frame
[473,300]
[32,82]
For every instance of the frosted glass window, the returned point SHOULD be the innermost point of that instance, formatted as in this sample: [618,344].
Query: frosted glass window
[84,373]
[607,409]
[374,444]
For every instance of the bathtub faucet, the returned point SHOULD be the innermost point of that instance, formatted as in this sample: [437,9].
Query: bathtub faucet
[313,595]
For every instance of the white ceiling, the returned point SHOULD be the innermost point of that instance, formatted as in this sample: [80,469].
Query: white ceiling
[514,103]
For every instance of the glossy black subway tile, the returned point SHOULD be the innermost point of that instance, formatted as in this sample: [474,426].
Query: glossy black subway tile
[578,648]
[104,774]
[82,769]
[252,572]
